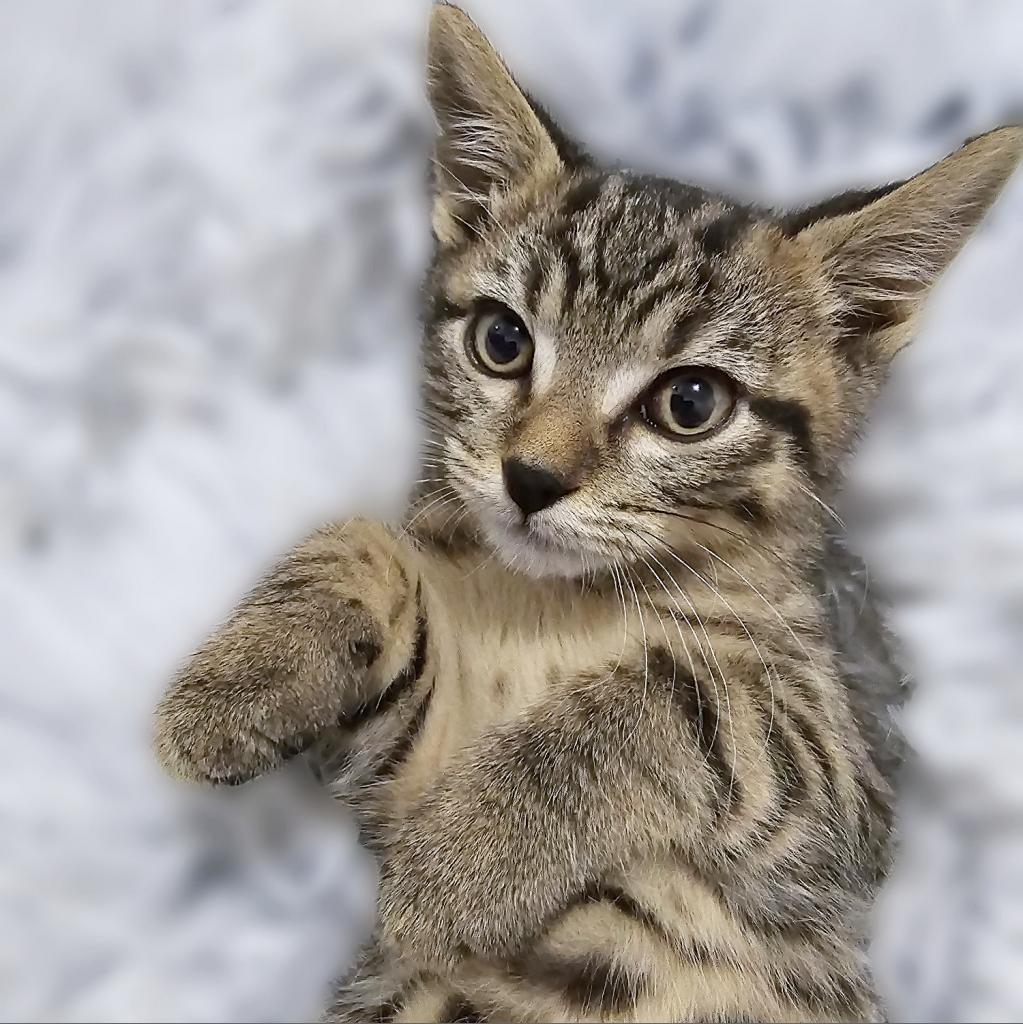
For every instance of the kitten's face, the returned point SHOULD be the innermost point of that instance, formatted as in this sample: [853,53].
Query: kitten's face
[623,369]
[652,349]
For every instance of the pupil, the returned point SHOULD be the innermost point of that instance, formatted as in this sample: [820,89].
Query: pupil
[692,402]
[504,340]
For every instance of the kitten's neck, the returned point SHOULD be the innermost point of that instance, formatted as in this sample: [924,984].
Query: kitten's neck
[758,588]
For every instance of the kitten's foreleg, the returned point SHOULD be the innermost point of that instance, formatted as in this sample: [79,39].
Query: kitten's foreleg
[538,811]
[318,641]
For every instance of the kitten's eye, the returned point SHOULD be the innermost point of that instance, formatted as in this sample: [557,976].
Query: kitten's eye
[690,403]
[500,344]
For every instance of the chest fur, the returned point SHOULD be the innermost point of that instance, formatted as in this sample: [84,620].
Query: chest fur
[495,649]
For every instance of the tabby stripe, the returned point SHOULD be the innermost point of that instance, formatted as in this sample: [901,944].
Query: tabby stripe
[668,194]
[877,803]
[414,670]
[621,290]
[399,609]
[751,508]
[443,311]
[601,277]
[683,329]
[706,719]
[834,996]
[694,951]
[773,923]
[706,277]
[653,299]
[721,235]
[384,1012]
[790,780]
[581,196]
[791,789]
[874,824]
[780,750]
[630,907]
[793,418]
[450,544]
[457,1010]
[590,985]
[867,317]
[657,261]
[397,755]
[570,259]
[402,682]
[231,780]
[811,737]
[537,276]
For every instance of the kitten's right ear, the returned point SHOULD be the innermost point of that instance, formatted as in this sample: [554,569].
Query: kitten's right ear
[490,135]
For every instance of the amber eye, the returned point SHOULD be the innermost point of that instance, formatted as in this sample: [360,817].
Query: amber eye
[691,402]
[500,344]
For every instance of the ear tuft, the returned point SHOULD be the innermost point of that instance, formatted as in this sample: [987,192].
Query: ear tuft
[884,257]
[490,136]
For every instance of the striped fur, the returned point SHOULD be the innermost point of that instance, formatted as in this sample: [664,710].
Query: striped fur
[629,760]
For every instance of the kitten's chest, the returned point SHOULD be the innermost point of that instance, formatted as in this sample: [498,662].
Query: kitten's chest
[502,657]
[503,645]
[494,674]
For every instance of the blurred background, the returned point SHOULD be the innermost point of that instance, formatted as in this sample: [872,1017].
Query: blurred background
[212,226]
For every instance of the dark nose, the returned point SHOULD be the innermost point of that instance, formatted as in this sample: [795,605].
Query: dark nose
[532,487]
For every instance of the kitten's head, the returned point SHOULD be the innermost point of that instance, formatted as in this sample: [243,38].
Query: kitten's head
[618,364]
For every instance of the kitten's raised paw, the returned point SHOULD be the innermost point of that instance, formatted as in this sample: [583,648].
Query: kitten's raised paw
[206,732]
[192,746]
[262,690]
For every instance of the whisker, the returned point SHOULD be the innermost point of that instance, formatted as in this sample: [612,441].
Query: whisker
[675,514]
[646,649]
[441,500]
[620,591]
[689,657]
[664,630]
[823,504]
[745,628]
[767,604]
[717,664]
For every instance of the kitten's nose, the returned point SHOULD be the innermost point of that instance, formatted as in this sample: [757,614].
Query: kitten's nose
[532,487]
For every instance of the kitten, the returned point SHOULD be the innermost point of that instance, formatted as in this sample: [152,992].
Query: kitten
[620,756]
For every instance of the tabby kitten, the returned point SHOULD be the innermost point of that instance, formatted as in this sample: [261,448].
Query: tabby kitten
[589,702]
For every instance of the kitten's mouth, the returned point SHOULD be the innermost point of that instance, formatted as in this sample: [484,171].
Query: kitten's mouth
[536,545]
[526,546]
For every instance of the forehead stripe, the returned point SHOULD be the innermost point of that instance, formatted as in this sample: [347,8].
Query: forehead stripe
[581,196]
[537,276]
[570,260]
[721,234]
[642,310]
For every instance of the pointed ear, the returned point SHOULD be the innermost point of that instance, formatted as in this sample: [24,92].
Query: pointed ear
[490,135]
[883,257]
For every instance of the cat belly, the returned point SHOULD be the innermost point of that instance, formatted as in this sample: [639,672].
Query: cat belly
[653,943]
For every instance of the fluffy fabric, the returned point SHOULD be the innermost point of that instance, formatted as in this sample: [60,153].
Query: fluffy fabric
[211,234]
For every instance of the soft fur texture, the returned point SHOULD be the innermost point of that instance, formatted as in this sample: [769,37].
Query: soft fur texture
[607,752]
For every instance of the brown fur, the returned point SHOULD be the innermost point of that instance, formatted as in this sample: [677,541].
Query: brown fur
[612,758]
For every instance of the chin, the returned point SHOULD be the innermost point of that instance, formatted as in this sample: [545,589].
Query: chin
[523,551]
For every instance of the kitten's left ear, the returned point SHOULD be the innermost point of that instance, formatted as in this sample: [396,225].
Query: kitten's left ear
[883,257]
[490,134]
